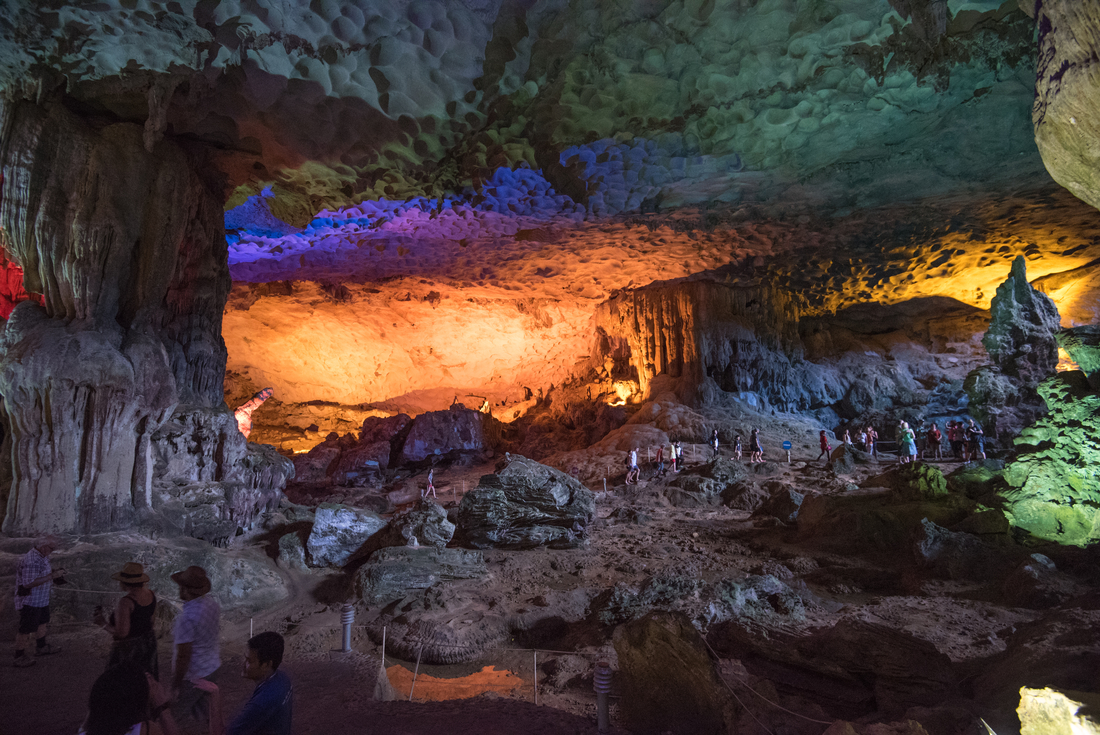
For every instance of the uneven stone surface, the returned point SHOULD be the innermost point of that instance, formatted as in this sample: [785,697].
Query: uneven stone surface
[339,532]
[669,683]
[1051,492]
[395,572]
[1048,711]
[458,431]
[526,504]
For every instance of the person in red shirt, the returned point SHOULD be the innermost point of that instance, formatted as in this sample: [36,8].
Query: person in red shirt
[934,437]
[825,448]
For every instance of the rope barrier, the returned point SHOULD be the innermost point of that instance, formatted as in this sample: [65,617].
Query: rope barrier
[744,684]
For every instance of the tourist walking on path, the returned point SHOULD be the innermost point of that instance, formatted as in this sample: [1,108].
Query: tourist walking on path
[907,445]
[872,441]
[755,448]
[737,448]
[659,460]
[714,443]
[131,624]
[195,636]
[679,456]
[34,579]
[825,448]
[431,485]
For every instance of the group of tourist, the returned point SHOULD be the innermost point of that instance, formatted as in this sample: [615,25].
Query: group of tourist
[967,442]
[129,697]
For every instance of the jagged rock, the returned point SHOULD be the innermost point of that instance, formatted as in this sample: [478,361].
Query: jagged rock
[360,465]
[783,503]
[692,491]
[877,522]
[427,524]
[438,433]
[960,555]
[395,572]
[1083,346]
[1037,583]
[209,480]
[524,505]
[986,522]
[744,496]
[669,682]
[629,515]
[292,554]
[1051,712]
[313,466]
[904,671]
[1052,491]
[1024,351]
[978,478]
[338,533]
[919,481]
[844,459]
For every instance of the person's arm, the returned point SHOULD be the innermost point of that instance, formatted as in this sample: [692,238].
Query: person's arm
[38,581]
[121,627]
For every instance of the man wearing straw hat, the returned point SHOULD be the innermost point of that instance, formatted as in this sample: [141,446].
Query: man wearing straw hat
[196,645]
[33,581]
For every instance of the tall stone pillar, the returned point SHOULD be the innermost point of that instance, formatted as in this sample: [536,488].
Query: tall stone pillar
[126,244]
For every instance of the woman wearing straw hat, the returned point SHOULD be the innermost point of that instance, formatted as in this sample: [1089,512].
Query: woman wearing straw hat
[131,623]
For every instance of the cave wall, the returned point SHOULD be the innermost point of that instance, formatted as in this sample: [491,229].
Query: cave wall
[122,236]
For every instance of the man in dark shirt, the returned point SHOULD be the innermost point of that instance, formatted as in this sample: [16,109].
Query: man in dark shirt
[269,710]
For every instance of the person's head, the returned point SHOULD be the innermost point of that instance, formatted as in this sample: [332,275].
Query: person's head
[822,432]
[119,700]
[47,544]
[265,653]
[193,583]
[132,576]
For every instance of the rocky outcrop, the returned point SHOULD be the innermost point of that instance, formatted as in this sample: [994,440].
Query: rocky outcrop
[526,504]
[1024,351]
[1051,712]
[955,555]
[919,481]
[1052,491]
[396,572]
[669,682]
[438,434]
[1066,103]
[1083,346]
[339,533]
[207,480]
[123,239]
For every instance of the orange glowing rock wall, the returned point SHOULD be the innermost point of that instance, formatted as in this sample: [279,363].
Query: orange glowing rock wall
[409,345]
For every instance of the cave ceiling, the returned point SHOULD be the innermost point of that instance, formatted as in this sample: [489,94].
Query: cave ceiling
[393,165]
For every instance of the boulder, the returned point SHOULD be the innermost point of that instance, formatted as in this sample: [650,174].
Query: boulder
[844,459]
[361,465]
[984,522]
[457,431]
[1036,583]
[424,525]
[313,466]
[390,429]
[919,481]
[1051,712]
[292,553]
[746,496]
[524,505]
[692,491]
[783,502]
[668,681]
[955,555]
[978,478]
[338,533]
[395,572]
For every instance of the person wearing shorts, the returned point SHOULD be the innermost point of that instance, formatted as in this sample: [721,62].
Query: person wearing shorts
[33,583]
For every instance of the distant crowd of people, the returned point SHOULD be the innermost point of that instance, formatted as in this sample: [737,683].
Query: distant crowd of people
[130,698]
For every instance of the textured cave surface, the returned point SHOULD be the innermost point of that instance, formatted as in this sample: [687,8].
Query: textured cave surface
[442,231]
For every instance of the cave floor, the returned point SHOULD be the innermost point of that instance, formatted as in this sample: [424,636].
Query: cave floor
[838,577]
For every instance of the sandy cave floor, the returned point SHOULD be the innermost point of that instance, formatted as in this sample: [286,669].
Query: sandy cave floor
[334,692]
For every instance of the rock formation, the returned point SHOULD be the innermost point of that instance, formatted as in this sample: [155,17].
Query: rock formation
[526,504]
[123,240]
[1052,491]
[1022,345]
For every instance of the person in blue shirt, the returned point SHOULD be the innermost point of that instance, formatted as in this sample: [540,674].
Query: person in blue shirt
[269,710]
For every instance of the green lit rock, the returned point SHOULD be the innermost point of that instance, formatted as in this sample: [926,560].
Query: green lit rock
[978,478]
[1054,491]
[1083,346]
[919,481]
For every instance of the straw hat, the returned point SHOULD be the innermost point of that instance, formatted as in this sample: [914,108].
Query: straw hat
[132,573]
[194,579]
